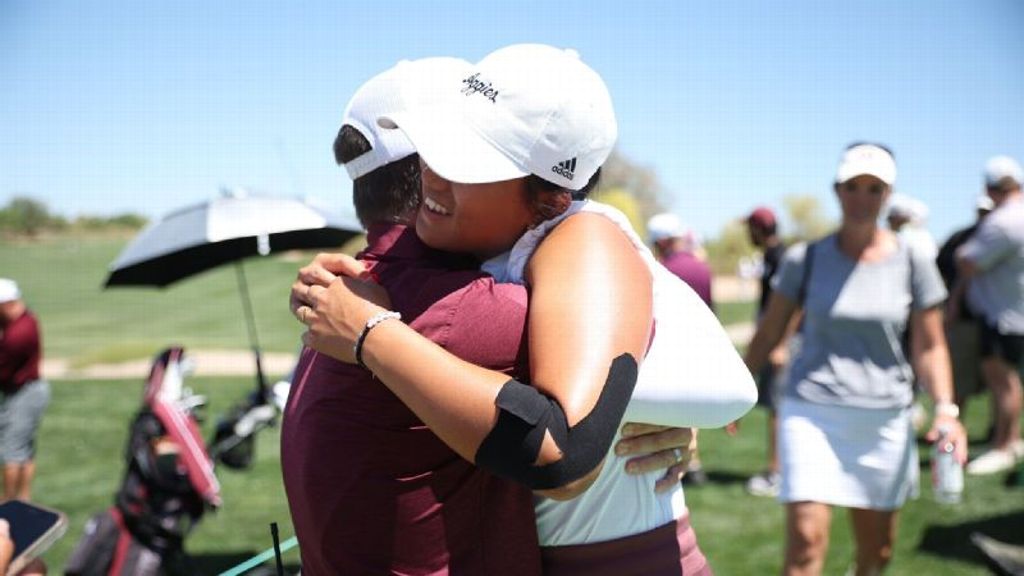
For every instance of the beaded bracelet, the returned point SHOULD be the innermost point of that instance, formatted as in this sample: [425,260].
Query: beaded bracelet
[377,318]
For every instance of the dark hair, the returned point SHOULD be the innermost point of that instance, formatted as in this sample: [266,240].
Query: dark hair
[386,194]
[550,199]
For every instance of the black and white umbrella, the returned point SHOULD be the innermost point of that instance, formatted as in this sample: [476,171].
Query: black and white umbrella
[200,237]
[221,231]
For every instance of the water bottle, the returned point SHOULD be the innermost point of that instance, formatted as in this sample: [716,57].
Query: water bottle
[947,473]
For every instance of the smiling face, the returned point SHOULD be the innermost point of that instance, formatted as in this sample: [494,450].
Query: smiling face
[481,219]
[862,198]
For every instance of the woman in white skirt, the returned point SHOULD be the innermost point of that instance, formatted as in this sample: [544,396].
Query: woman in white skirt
[845,437]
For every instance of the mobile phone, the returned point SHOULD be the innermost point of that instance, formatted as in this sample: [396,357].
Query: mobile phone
[34,529]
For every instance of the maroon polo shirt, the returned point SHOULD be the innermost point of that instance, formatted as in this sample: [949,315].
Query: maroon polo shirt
[20,353]
[693,271]
[371,489]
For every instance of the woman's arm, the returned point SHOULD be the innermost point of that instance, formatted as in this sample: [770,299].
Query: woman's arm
[591,302]
[930,358]
[770,330]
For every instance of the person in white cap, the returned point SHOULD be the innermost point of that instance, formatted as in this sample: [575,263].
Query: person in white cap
[992,262]
[963,330]
[392,497]
[908,217]
[24,395]
[528,129]
[845,437]
[677,247]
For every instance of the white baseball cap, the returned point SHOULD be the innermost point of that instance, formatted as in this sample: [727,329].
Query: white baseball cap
[903,206]
[663,226]
[984,202]
[9,290]
[867,159]
[406,84]
[523,109]
[1001,167]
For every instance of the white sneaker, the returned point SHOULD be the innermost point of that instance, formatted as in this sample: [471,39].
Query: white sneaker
[991,462]
[765,484]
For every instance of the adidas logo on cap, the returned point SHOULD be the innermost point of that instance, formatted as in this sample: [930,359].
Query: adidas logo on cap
[565,168]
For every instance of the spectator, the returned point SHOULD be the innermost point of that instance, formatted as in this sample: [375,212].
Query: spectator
[962,327]
[762,226]
[25,393]
[908,217]
[678,249]
[845,437]
[992,262]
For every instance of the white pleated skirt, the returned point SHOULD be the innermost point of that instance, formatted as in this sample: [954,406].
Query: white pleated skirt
[843,456]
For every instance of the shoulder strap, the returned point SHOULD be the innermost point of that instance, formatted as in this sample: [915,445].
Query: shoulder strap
[801,295]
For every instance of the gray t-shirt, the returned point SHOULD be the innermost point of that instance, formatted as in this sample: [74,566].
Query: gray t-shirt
[855,315]
[997,249]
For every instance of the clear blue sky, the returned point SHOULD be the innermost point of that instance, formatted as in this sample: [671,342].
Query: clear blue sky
[144,106]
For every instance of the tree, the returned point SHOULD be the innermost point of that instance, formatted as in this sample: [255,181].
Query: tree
[807,217]
[633,189]
[24,215]
[626,203]
[726,251]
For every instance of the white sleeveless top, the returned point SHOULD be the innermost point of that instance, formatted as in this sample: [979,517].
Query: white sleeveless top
[688,340]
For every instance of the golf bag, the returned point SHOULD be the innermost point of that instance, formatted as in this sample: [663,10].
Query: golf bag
[168,485]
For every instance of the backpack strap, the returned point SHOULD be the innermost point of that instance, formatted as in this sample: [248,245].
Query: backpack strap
[801,295]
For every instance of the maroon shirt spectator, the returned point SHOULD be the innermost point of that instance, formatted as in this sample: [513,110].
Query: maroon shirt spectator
[371,489]
[693,271]
[20,353]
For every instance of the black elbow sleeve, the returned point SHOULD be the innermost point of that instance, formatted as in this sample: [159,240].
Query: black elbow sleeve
[525,415]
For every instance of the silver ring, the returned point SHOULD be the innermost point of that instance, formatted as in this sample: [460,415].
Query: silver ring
[679,454]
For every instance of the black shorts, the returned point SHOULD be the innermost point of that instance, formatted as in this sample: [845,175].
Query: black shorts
[1009,347]
[768,387]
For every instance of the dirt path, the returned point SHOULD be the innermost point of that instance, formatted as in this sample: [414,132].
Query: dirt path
[208,363]
[233,363]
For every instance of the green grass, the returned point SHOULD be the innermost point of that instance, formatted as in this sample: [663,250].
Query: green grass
[80,465]
[735,312]
[62,281]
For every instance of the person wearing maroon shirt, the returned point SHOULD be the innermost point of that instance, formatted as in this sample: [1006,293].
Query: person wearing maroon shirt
[24,394]
[762,227]
[675,248]
[370,488]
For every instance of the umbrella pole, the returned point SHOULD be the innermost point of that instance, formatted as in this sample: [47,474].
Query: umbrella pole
[250,321]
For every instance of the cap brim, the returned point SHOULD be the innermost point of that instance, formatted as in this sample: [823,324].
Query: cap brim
[452,148]
[850,174]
